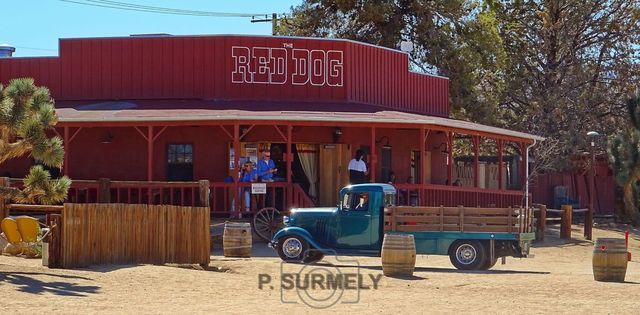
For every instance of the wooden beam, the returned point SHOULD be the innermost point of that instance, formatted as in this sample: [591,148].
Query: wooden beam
[298,123]
[476,161]
[450,158]
[280,132]
[75,134]
[374,156]
[159,133]
[423,149]
[141,133]
[67,151]
[500,162]
[149,154]
[289,165]
[246,132]
[226,131]
[236,167]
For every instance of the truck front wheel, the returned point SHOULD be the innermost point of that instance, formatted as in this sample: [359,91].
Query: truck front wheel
[467,255]
[292,248]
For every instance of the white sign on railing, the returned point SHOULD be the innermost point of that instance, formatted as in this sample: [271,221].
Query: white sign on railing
[258,188]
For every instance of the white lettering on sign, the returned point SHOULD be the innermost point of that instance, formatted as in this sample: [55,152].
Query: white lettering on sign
[266,65]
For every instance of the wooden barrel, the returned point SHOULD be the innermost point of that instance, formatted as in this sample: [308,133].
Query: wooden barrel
[236,240]
[398,255]
[609,259]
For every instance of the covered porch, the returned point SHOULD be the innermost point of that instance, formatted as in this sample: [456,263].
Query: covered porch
[155,155]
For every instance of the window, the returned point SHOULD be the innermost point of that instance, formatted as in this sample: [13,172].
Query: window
[389,200]
[180,154]
[346,202]
[180,162]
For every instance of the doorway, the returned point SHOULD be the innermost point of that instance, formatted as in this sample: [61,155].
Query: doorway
[333,174]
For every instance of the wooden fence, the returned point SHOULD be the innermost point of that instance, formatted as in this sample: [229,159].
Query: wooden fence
[133,233]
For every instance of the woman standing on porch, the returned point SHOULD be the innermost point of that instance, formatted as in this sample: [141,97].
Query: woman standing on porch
[358,169]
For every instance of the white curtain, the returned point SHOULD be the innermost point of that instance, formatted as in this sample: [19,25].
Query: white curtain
[308,154]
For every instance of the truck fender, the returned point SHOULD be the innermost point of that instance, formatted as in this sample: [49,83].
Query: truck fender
[298,232]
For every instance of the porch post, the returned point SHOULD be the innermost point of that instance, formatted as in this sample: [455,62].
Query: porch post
[289,167]
[476,161]
[67,151]
[374,156]
[236,167]
[523,176]
[150,153]
[423,153]
[450,157]
[500,162]
[423,150]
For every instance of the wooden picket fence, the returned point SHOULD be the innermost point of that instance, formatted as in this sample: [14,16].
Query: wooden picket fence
[133,233]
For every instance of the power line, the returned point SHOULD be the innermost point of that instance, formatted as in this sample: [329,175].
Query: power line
[33,48]
[160,10]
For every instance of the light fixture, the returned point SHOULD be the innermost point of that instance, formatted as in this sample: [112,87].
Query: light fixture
[385,146]
[337,133]
[108,138]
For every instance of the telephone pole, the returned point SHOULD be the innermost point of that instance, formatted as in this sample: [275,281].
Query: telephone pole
[273,20]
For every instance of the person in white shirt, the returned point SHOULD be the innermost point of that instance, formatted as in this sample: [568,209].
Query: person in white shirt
[358,169]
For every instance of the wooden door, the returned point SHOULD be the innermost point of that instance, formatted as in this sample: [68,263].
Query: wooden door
[333,174]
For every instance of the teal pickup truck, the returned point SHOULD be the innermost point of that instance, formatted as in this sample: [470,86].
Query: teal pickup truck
[473,238]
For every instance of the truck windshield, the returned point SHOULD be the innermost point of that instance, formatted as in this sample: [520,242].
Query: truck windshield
[355,202]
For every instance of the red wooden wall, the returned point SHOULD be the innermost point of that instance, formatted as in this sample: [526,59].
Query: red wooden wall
[202,67]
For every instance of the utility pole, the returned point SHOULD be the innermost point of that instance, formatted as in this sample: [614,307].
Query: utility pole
[273,20]
[588,224]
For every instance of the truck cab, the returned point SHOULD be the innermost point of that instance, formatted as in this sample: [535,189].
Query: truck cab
[356,226]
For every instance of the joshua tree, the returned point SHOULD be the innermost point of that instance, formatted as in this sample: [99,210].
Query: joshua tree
[624,152]
[27,118]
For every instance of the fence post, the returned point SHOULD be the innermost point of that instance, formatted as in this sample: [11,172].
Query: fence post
[565,224]
[104,190]
[542,223]
[4,182]
[55,241]
[203,186]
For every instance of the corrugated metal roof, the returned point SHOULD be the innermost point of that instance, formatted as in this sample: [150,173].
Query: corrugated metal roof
[196,110]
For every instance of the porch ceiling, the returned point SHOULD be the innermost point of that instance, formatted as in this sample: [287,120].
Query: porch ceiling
[189,111]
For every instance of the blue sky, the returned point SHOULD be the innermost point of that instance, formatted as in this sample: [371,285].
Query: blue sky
[34,26]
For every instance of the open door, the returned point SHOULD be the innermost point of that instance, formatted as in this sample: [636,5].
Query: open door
[334,159]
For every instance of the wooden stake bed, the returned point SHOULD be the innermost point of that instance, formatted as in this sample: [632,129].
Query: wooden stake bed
[458,219]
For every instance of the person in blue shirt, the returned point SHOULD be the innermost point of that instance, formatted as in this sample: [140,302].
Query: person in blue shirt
[266,167]
[247,175]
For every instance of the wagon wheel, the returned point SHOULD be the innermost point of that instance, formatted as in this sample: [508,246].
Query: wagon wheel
[266,222]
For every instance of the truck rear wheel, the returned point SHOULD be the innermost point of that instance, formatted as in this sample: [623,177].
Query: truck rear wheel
[467,254]
[489,263]
[292,248]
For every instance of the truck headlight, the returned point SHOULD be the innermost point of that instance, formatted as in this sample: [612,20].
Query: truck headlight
[285,220]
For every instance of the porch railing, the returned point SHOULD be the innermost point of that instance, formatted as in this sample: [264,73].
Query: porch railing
[428,195]
[223,196]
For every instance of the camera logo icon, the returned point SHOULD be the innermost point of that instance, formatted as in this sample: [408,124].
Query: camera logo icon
[323,284]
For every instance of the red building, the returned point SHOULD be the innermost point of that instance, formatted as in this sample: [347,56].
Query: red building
[174,108]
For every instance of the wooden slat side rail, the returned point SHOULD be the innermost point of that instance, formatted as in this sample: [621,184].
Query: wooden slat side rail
[134,233]
[461,219]
[451,228]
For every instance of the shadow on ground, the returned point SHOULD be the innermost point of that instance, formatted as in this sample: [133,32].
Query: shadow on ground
[25,282]
[443,270]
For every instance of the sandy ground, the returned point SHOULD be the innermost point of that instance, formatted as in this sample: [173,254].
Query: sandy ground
[558,279]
